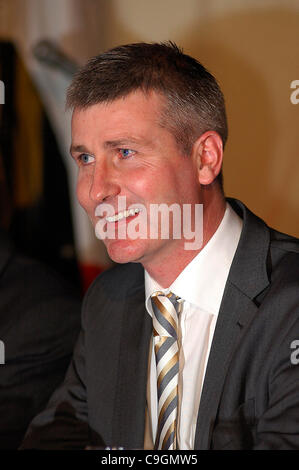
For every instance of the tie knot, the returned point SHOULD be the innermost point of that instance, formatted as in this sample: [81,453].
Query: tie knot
[166,308]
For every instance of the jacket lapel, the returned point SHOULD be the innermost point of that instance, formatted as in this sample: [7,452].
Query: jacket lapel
[247,278]
[225,340]
[130,402]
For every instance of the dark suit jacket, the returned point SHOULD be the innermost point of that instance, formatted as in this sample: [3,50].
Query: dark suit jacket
[250,397]
[39,325]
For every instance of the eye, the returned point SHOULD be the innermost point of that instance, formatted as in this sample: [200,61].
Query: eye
[85,158]
[126,153]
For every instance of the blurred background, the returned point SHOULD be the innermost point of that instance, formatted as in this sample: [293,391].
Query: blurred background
[251,46]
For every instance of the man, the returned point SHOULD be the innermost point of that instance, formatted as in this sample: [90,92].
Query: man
[39,324]
[180,348]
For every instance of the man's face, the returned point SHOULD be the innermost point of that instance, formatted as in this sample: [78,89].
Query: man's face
[121,150]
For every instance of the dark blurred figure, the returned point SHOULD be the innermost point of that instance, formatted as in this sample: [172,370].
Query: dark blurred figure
[35,207]
[39,323]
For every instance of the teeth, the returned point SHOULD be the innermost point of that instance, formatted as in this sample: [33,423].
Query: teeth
[122,215]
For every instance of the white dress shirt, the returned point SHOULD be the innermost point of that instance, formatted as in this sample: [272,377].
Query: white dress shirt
[201,285]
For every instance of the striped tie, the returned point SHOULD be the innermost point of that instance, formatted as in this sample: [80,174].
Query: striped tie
[165,324]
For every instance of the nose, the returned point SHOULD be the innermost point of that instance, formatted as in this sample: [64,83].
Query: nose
[104,184]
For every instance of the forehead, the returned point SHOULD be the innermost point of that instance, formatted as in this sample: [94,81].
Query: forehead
[136,109]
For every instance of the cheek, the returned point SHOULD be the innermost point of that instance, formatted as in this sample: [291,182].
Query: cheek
[151,184]
[139,183]
[82,191]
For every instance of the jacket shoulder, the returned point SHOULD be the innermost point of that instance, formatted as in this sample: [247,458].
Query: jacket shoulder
[119,278]
[283,242]
[113,287]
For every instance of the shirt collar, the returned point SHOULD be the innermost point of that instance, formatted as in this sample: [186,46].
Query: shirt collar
[203,280]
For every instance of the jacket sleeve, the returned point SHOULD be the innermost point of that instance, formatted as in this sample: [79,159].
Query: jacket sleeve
[64,422]
[278,426]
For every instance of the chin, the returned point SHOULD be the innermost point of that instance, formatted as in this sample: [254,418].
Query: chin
[124,251]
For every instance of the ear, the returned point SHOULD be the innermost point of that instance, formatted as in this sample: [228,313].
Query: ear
[207,153]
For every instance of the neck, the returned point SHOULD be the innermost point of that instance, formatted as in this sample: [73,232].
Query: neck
[167,267]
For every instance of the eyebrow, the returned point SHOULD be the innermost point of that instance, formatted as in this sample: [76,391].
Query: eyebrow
[121,142]
[78,148]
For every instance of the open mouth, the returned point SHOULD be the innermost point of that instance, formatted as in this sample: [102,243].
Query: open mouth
[123,215]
